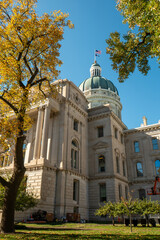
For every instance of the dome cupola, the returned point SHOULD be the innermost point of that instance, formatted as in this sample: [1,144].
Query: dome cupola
[99,90]
[95,70]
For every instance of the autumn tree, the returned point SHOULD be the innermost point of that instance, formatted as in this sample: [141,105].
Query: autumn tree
[141,42]
[29,51]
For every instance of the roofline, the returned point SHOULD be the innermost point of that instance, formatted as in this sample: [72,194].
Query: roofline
[143,128]
[71,83]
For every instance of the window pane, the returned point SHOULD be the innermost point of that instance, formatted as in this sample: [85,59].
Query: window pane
[76,190]
[75,126]
[142,194]
[101,163]
[120,192]
[117,163]
[72,154]
[74,143]
[136,146]
[139,170]
[122,138]
[75,159]
[154,143]
[102,192]
[116,133]
[124,169]
[157,166]
[126,192]
[100,131]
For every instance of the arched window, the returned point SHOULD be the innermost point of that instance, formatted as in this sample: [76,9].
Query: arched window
[139,169]
[101,161]
[74,155]
[157,166]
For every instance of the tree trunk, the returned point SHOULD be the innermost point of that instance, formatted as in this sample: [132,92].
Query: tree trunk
[113,221]
[7,224]
[11,188]
[147,219]
[130,217]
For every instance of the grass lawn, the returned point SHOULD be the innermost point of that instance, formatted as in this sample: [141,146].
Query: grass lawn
[82,231]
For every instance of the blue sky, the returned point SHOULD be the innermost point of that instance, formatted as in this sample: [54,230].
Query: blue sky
[94,21]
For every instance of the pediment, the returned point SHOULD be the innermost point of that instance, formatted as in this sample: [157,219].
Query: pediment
[100,145]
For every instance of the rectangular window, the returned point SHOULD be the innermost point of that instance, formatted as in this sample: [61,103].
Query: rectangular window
[139,169]
[120,191]
[75,125]
[124,168]
[142,194]
[155,143]
[100,131]
[102,188]
[136,146]
[116,133]
[122,139]
[76,190]
[126,192]
[117,164]
[76,210]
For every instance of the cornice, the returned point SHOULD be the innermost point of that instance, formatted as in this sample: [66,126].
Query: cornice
[109,177]
[141,181]
[55,169]
[98,116]
[147,128]
[118,120]
[80,110]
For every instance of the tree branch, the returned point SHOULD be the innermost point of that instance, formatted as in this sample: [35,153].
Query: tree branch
[5,12]
[27,65]
[39,81]
[33,75]
[4,182]
[9,104]
[135,48]
[41,90]
[31,59]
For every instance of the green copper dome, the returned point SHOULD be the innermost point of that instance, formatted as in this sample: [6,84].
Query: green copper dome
[97,82]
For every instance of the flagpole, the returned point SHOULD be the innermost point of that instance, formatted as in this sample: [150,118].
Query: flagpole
[94,55]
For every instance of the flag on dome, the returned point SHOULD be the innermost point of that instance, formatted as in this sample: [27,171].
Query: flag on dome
[97,52]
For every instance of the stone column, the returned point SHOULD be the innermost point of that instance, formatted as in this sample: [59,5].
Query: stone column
[45,132]
[38,133]
[49,140]
[27,153]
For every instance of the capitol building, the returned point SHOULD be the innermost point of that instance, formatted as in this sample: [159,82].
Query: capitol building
[79,153]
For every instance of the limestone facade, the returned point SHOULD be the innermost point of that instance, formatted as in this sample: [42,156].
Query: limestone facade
[78,157]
